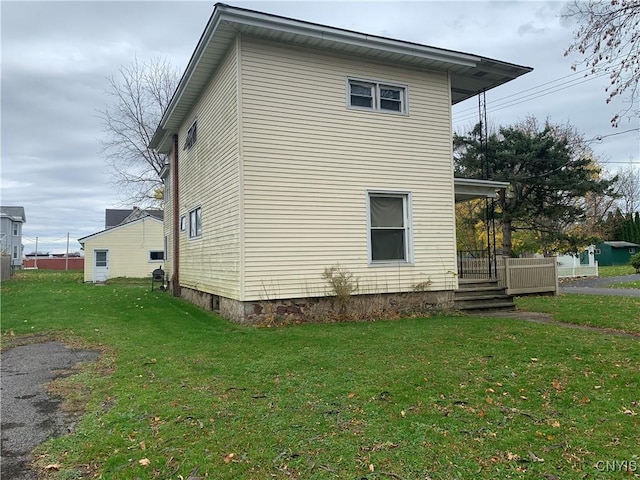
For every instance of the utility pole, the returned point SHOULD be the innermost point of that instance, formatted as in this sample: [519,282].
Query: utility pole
[66,262]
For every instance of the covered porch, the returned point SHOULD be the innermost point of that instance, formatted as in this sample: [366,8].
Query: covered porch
[479,263]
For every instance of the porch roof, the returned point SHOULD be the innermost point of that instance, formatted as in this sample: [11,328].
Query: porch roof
[470,188]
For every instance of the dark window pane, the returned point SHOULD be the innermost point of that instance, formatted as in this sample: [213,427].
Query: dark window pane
[157,255]
[390,94]
[361,101]
[390,105]
[386,211]
[387,245]
[361,90]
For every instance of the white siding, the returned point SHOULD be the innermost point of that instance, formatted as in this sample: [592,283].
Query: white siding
[309,160]
[209,178]
[129,246]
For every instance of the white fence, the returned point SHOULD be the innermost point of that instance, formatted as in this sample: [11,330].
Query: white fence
[578,271]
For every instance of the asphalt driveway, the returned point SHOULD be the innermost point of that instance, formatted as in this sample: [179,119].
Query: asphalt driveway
[601,286]
[29,416]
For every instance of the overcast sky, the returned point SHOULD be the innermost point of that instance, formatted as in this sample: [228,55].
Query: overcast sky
[56,57]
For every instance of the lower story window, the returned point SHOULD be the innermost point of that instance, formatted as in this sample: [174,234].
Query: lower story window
[389,227]
[156,255]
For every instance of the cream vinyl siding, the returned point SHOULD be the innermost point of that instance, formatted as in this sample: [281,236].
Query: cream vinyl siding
[209,178]
[129,246]
[309,161]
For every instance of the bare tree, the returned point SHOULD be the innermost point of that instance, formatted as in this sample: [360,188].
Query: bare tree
[608,37]
[139,94]
[628,189]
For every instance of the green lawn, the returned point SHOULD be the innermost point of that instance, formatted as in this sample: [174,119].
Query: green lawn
[181,393]
[616,271]
[617,313]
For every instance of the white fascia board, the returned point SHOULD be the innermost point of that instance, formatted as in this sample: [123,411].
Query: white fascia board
[348,37]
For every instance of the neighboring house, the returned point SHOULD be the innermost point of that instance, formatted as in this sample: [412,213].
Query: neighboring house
[11,220]
[115,217]
[615,253]
[295,147]
[133,248]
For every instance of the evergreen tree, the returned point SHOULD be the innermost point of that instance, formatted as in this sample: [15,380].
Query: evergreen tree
[549,170]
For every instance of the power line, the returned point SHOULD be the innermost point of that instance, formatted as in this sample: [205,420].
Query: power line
[601,72]
[531,96]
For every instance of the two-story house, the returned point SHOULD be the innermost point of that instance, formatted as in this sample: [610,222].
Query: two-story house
[11,220]
[295,147]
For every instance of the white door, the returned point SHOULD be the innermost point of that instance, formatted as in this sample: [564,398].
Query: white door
[101,265]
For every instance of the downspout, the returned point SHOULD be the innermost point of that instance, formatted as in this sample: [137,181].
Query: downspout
[175,282]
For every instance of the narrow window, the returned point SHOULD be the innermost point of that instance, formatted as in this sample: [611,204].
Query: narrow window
[15,252]
[183,223]
[190,141]
[156,255]
[16,229]
[389,238]
[195,222]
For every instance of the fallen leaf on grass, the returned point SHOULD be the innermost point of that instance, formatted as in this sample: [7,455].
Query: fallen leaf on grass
[145,462]
[557,385]
[53,466]
[555,424]
[229,457]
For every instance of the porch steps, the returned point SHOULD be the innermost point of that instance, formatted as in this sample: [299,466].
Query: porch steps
[475,295]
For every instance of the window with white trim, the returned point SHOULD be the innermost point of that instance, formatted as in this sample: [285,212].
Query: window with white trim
[15,252]
[183,223]
[156,255]
[377,96]
[389,227]
[16,229]
[195,222]
[190,141]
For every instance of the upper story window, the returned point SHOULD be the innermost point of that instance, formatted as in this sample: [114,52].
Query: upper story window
[190,141]
[16,229]
[195,223]
[389,227]
[377,96]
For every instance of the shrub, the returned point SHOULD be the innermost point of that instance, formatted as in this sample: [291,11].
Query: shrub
[635,262]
